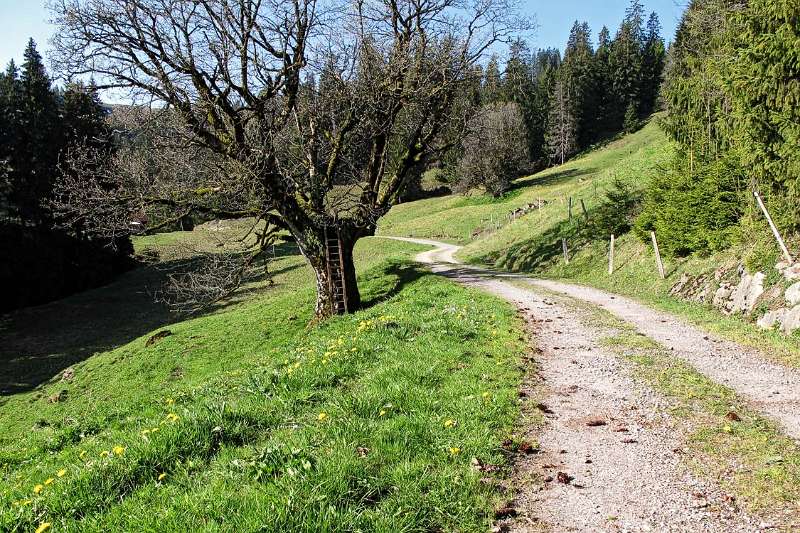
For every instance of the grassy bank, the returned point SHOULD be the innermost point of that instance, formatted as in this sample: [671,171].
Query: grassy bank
[244,419]
[532,243]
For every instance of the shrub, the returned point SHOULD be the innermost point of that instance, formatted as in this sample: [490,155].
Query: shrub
[693,211]
[495,149]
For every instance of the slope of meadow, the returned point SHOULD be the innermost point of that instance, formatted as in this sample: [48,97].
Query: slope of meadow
[245,419]
[532,242]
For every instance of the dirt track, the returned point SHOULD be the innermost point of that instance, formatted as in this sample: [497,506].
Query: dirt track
[627,471]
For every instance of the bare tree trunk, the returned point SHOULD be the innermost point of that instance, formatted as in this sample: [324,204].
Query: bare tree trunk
[329,270]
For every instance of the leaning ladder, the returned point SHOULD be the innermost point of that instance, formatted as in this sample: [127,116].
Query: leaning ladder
[335,265]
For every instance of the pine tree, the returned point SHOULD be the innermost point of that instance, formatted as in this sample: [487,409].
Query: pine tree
[577,73]
[561,130]
[492,84]
[519,87]
[34,164]
[625,63]
[652,64]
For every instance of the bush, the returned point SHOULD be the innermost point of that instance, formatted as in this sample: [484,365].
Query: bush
[694,211]
[495,149]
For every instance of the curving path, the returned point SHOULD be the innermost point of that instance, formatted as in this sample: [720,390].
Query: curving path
[625,474]
[772,388]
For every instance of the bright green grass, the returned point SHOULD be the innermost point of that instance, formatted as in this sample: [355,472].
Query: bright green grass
[455,218]
[366,422]
[532,243]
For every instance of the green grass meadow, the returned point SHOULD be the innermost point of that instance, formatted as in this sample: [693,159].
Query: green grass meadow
[532,243]
[245,419]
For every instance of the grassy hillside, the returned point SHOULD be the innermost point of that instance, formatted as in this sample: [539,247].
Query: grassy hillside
[532,243]
[456,218]
[243,419]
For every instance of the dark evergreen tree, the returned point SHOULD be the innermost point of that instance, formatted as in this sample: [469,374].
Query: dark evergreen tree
[83,116]
[519,87]
[33,166]
[577,73]
[766,94]
[561,135]
[492,82]
[544,69]
[10,105]
[603,86]
[625,63]
[652,65]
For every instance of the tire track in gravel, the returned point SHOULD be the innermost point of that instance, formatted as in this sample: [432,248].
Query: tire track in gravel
[611,454]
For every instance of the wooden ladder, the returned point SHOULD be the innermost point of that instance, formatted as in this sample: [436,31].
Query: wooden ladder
[336,280]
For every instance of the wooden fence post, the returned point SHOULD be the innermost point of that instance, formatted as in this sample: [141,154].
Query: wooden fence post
[585,212]
[570,208]
[658,255]
[786,254]
[566,252]
[611,256]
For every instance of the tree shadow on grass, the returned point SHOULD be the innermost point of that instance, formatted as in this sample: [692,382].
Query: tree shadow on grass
[37,343]
[554,178]
[381,283]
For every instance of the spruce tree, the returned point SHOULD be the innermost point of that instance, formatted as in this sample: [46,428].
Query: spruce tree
[83,116]
[544,69]
[603,85]
[10,102]
[34,164]
[766,92]
[577,73]
[561,130]
[625,63]
[492,84]
[652,64]
[518,86]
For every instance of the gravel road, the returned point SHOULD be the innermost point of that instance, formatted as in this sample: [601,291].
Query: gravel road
[611,456]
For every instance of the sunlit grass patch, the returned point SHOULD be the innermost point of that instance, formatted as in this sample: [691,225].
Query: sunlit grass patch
[365,422]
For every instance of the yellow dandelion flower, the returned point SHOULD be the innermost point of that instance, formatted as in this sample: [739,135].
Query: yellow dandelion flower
[82,454]
[383,412]
[61,473]
[118,450]
[154,430]
[170,401]
[38,488]
[44,526]
[322,416]
[449,423]
[485,394]
[49,481]
[455,451]
[161,476]
[324,361]
[172,417]
[145,432]
[23,503]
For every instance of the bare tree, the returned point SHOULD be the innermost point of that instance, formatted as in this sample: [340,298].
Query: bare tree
[317,114]
[495,148]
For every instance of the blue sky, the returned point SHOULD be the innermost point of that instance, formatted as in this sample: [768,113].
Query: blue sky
[21,19]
